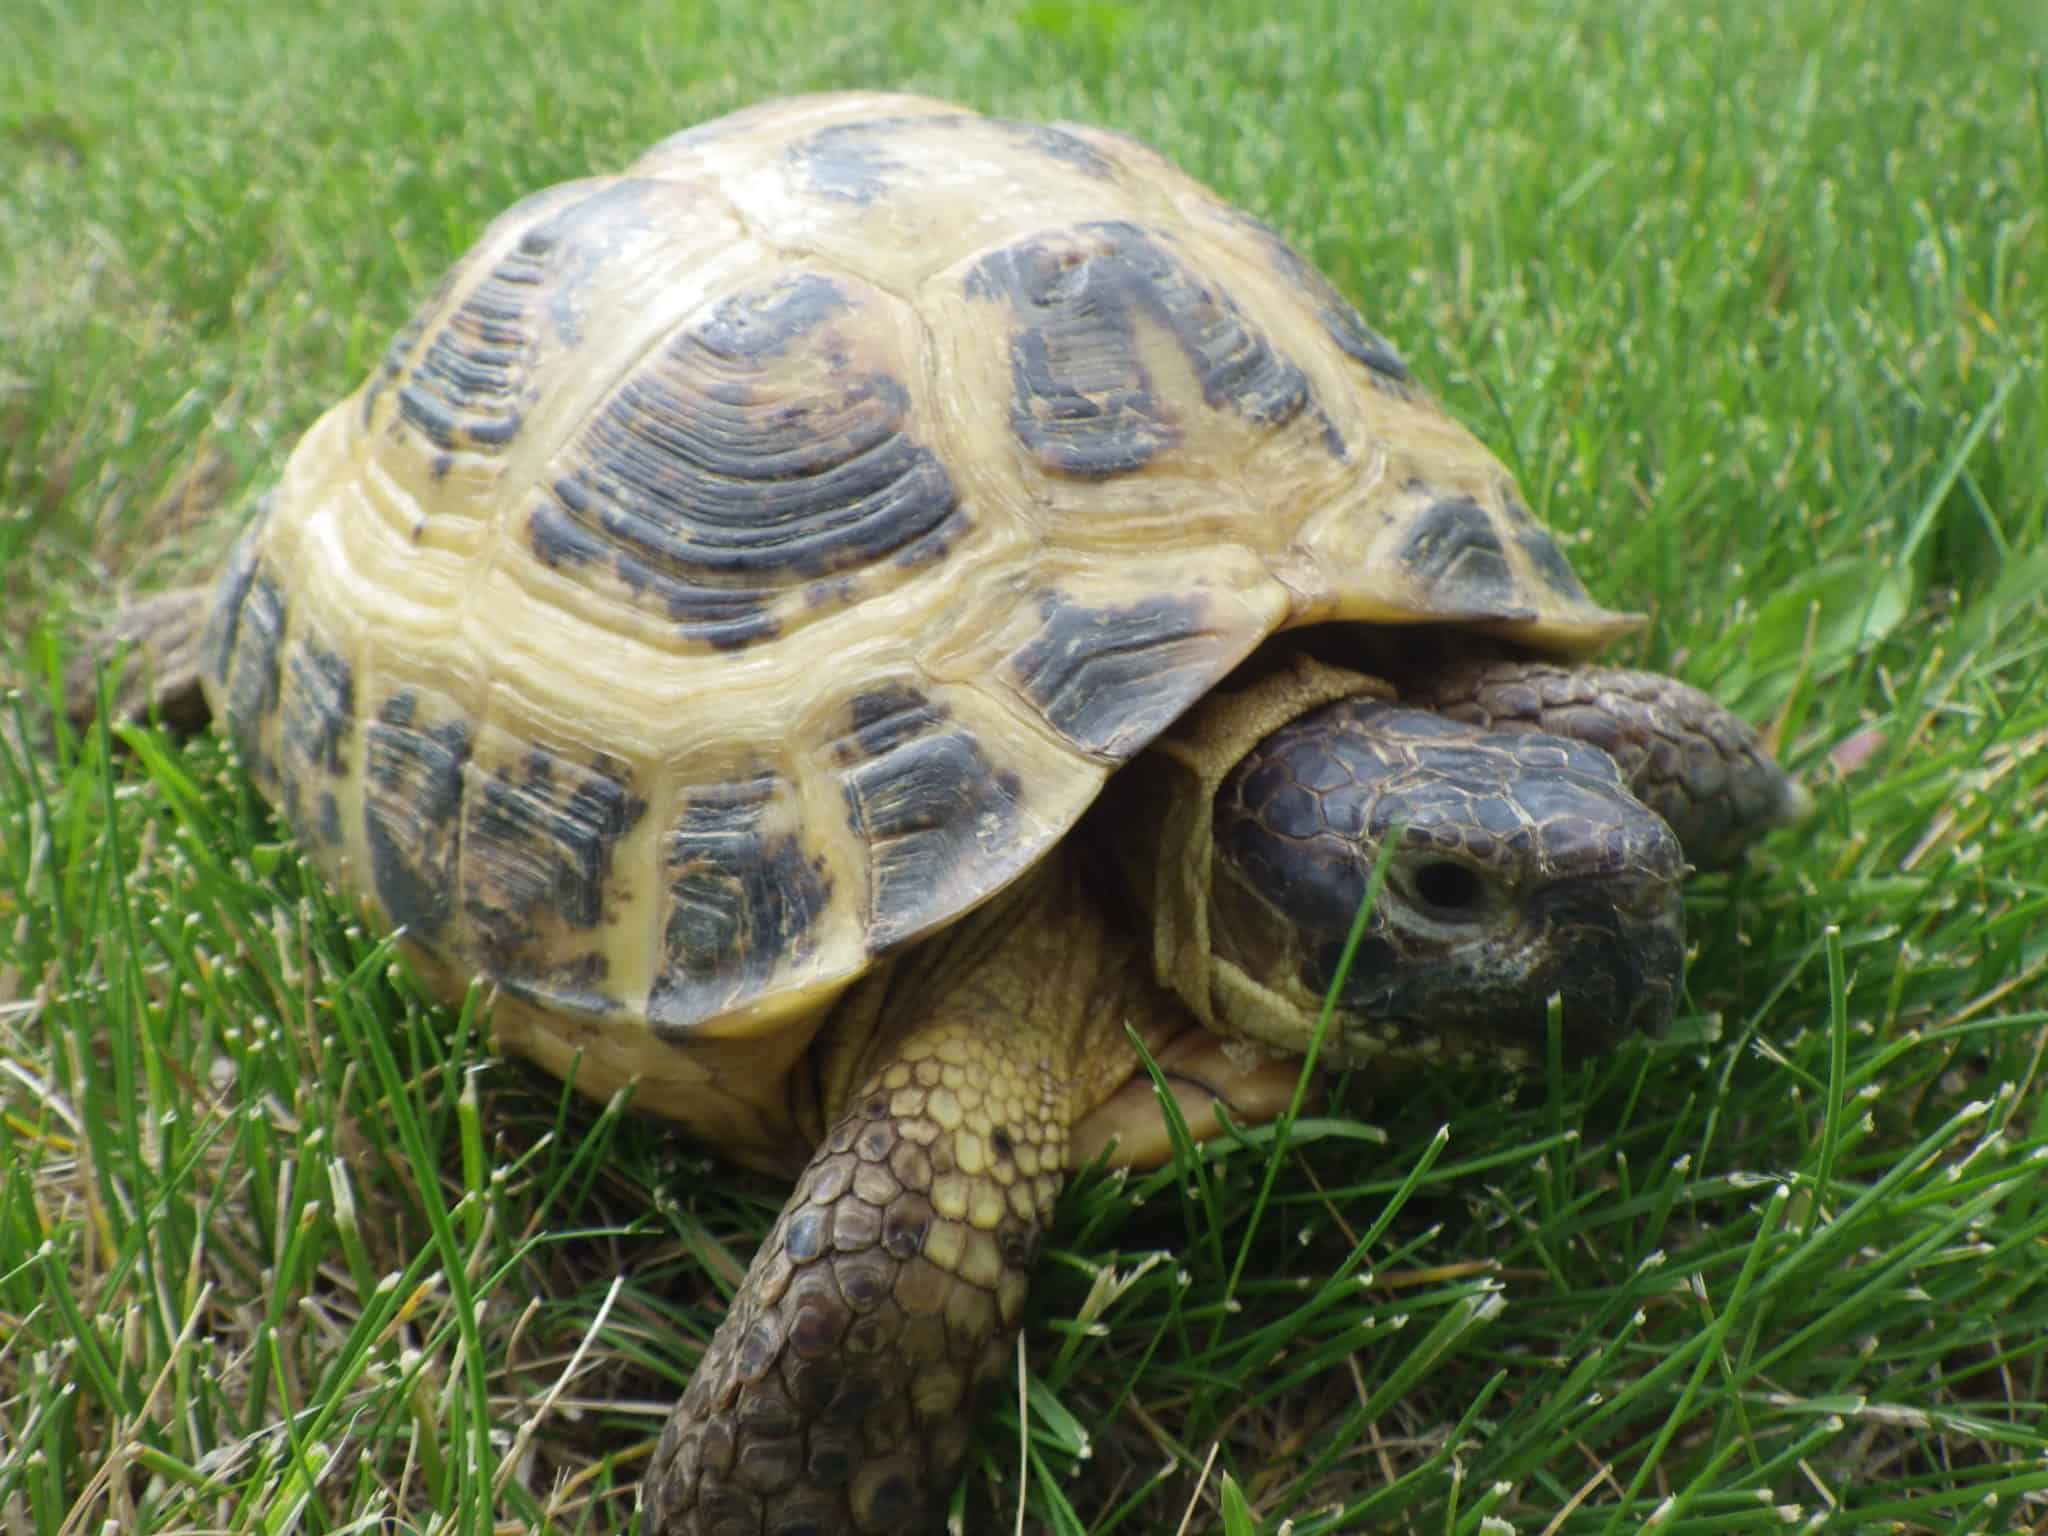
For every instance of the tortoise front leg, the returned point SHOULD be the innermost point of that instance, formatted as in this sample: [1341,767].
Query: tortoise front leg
[1700,767]
[835,1397]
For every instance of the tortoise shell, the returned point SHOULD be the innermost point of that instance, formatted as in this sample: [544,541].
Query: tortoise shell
[746,564]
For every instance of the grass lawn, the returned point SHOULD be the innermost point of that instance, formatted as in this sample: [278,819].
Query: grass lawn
[1752,296]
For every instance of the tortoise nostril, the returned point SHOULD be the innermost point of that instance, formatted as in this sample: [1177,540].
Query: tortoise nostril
[1451,888]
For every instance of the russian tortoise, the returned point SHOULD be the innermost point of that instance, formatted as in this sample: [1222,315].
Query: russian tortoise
[798,618]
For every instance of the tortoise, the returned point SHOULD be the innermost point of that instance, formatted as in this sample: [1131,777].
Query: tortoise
[858,623]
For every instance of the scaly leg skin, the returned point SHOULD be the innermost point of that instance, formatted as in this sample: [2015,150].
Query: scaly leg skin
[1701,768]
[836,1396]
[156,643]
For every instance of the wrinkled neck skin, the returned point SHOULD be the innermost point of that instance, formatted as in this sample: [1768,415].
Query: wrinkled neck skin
[1160,823]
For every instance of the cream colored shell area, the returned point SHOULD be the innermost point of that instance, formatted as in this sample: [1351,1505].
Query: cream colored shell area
[416,563]
[1325,529]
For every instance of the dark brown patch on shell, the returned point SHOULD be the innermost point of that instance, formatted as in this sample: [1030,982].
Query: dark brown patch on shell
[1339,317]
[743,902]
[537,856]
[319,706]
[847,161]
[1550,564]
[938,818]
[1363,344]
[253,635]
[1455,553]
[412,803]
[316,722]
[1053,142]
[732,465]
[1082,400]
[851,162]
[327,824]
[881,719]
[230,591]
[399,353]
[470,388]
[559,540]
[1109,679]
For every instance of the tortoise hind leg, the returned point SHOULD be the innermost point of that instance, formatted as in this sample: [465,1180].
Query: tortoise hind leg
[1696,764]
[156,643]
[835,1396]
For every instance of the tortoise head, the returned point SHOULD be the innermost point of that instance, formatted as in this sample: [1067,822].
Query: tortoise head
[1517,867]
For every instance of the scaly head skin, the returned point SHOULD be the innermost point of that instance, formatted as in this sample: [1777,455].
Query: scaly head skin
[1536,822]
[1517,867]
[1705,771]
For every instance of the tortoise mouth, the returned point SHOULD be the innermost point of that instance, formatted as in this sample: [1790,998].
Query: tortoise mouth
[1612,957]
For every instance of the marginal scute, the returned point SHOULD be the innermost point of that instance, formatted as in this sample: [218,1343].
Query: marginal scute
[537,862]
[412,805]
[1110,678]
[230,591]
[1365,345]
[320,704]
[316,721]
[254,637]
[937,816]
[1083,400]
[766,447]
[576,986]
[743,901]
[1550,565]
[1456,556]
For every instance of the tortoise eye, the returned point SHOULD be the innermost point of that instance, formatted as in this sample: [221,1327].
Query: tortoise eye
[1451,888]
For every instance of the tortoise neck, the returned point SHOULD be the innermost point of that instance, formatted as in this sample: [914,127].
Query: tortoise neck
[1158,815]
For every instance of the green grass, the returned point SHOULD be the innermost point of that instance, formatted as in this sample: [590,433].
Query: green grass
[1754,299]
